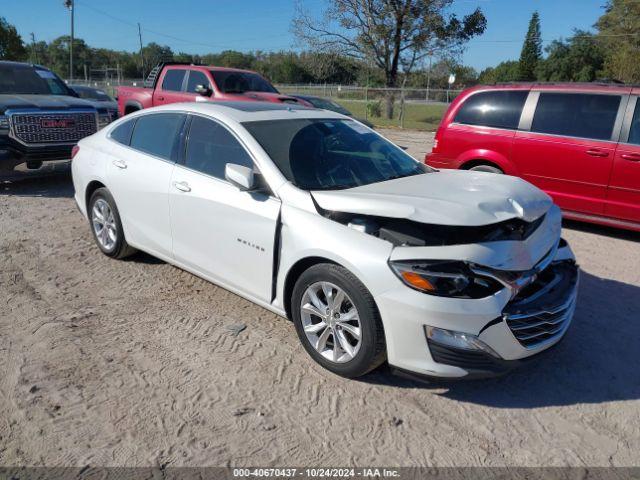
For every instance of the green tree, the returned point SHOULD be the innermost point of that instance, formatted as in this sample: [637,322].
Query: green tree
[618,35]
[439,76]
[11,44]
[531,50]
[578,59]
[508,71]
[395,35]
[154,54]
[58,56]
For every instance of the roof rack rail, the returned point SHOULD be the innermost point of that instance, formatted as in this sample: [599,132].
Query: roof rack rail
[605,82]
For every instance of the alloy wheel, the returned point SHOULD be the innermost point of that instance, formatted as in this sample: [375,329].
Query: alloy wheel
[331,322]
[104,224]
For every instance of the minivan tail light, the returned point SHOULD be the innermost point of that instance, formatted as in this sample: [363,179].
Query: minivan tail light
[74,151]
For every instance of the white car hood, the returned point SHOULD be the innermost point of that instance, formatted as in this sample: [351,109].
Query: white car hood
[448,197]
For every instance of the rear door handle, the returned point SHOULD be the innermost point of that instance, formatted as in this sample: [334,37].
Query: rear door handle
[632,157]
[182,186]
[120,164]
[160,98]
[595,152]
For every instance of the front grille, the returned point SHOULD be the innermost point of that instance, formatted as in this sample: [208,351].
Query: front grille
[35,128]
[543,310]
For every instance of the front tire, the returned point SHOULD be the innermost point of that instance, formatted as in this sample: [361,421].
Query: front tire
[106,226]
[337,321]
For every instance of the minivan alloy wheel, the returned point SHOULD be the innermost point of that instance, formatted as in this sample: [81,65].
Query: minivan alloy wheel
[331,322]
[104,224]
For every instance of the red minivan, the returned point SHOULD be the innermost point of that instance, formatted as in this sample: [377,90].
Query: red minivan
[580,143]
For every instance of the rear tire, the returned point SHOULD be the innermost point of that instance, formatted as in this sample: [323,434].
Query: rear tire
[106,226]
[337,321]
[486,168]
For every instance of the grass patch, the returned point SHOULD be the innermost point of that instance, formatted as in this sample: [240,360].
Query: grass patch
[417,116]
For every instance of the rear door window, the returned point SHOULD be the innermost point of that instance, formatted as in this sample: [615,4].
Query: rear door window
[583,115]
[158,134]
[498,109]
[173,80]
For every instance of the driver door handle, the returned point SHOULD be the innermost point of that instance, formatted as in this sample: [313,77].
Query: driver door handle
[182,186]
[120,164]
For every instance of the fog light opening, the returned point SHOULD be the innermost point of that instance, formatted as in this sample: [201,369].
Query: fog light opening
[461,340]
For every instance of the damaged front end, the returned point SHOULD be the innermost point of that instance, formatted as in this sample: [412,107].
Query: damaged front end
[463,261]
[402,232]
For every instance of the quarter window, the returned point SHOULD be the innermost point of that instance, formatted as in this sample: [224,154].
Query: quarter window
[196,78]
[582,115]
[634,130]
[173,80]
[158,134]
[211,146]
[122,133]
[499,109]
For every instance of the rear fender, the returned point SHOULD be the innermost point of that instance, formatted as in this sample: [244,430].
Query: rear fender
[488,156]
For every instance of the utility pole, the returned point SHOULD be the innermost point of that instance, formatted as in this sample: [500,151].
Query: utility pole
[429,75]
[34,58]
[70,5]
[141,54]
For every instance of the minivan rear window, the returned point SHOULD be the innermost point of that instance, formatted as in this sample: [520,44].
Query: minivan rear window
[584,115]
[498,109]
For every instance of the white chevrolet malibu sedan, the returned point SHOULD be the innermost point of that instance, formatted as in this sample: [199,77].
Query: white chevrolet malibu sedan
[373,255]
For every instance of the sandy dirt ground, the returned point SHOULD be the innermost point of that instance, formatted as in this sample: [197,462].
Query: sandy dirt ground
[137,363]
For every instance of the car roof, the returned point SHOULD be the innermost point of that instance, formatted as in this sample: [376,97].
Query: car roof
[250,111]
[211,68]
[86,87]
[600,87]
[22,64]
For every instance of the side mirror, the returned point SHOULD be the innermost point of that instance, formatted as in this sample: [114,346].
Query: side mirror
[204,91]
[241,177]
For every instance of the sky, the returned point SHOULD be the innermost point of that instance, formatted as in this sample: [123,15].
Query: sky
[202,26]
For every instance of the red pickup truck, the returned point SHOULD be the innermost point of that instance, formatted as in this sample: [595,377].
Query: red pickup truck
[174,82]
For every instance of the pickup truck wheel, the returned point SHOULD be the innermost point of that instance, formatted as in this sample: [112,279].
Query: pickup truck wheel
[106,225]
[486,168]
[337,321]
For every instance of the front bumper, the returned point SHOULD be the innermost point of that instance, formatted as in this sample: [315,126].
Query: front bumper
[516,330]
[13,153]
[438,161]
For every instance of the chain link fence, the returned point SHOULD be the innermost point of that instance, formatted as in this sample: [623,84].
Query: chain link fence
[419,108]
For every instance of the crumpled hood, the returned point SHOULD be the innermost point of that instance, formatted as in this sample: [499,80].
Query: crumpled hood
[448,197]
[44,102]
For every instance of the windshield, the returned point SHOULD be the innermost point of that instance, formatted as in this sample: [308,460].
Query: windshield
[93,94]
[240,82]
[317,154]
[328,105]
[23,79]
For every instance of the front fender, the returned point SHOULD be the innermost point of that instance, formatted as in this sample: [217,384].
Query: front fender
[308,234]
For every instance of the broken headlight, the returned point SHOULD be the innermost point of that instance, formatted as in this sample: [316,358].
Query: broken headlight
[444,278]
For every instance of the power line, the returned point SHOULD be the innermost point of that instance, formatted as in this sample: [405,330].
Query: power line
[166,35]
